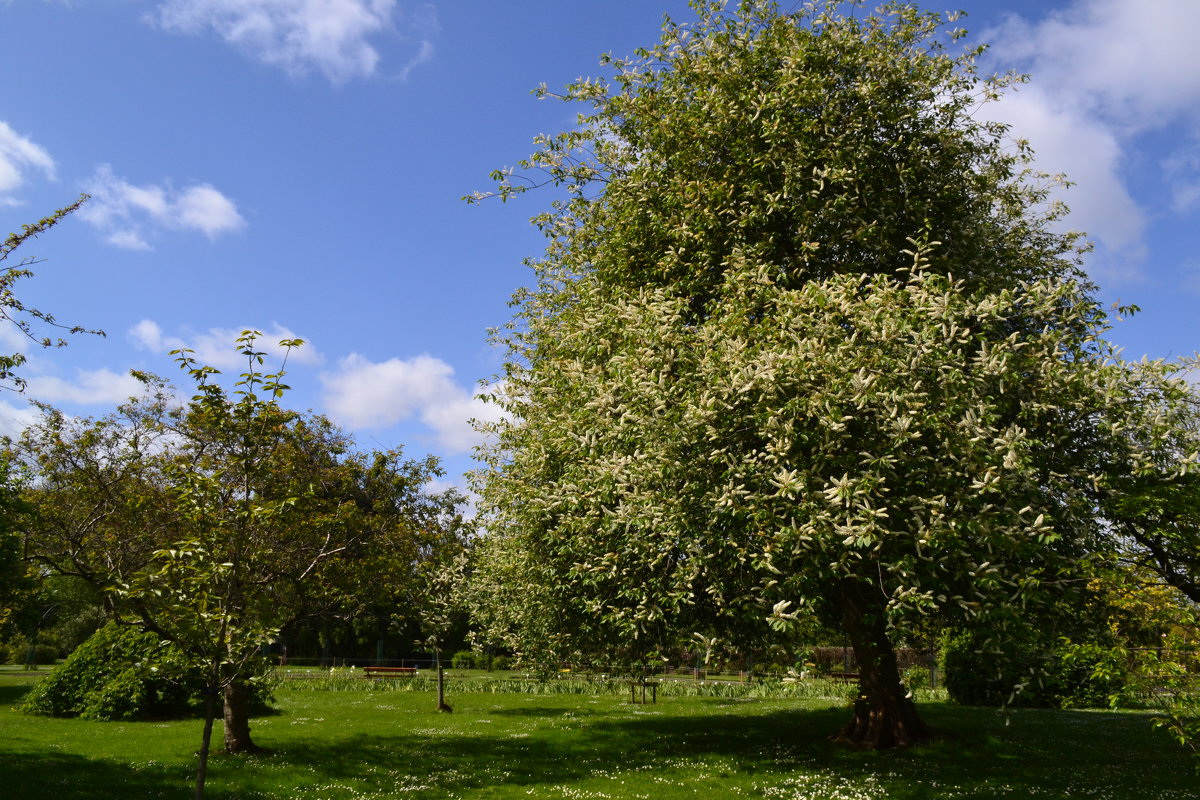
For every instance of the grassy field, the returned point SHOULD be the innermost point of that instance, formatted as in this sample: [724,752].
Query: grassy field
[364,744]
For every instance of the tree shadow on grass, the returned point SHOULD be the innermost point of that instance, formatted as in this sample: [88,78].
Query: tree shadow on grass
[11,694]
[708,748]
[538,712]
[41,775]
[1035,757]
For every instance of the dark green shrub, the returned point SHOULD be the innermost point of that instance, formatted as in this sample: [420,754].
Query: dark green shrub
[1086,675]
[17,652]
[916,678]
[110,676]
[123,696]
[1028,672]
[122,673]
[463,659]
[981,673]
[501,662]
[44,654]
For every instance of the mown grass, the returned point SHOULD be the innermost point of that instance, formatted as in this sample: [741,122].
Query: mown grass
[392,744]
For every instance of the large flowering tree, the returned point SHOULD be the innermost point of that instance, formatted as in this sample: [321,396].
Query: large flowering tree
[804,335]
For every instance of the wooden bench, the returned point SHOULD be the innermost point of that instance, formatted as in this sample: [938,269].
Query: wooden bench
[643,685]
[844,677]
[389,672]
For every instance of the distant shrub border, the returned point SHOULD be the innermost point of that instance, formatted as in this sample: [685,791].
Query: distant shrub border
[468,659]
[17,652]
[1061,674]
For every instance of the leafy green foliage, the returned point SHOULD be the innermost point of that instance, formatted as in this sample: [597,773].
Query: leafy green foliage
[1160,514]
[1182,721]
[803,341]
[215,524]
[1031,672]
[16,585]
[120,673]
[463,659]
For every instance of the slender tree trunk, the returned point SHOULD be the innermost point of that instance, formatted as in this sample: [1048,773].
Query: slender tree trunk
[441,685]
[237,719]
[210,713]
[884,715]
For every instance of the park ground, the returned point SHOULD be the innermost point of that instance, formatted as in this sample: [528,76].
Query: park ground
[371,740]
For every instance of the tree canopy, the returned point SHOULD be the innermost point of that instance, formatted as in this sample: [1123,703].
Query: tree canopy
[804,335]
[215,523]
[31,322]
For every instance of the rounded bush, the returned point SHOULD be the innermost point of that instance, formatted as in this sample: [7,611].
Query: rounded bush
[45,654]
[121,673]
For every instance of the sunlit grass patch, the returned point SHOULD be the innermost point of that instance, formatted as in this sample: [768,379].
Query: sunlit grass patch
[372,744]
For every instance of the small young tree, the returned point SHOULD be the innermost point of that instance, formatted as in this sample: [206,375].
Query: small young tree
[442,603]
[222,521]
[215,591]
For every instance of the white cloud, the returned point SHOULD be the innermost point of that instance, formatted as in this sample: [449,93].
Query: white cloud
[90,387]
[1182,171]
[17,155]
[14,419]
[438,485]
[127,239]
[333,37]
[1069,141]
[373,395]
[123,210]
[215,347]
[1104,74]
[149,336]
[12,339]
[203,208]
[1133,62]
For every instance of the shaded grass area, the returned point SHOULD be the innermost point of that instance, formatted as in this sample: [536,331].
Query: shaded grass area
[373,744]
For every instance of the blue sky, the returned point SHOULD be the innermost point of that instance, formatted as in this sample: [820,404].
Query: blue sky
[297,166]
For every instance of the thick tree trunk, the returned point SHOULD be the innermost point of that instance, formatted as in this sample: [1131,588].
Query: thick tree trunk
[237,719]
[884,715]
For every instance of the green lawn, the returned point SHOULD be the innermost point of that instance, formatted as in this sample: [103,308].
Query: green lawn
[391,744]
